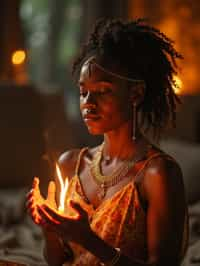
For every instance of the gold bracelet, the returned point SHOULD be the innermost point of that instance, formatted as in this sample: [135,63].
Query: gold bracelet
[114,260]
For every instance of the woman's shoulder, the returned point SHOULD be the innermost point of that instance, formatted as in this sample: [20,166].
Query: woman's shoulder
[69,156]
[67,161]
[160,161]
[162,171]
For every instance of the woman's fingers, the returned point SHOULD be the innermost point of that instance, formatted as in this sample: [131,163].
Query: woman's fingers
[49,216]
[53,221]
[34,199]
[51,190]
[35,194]
[51,195]
[34,215]
[35,187]
[30,205]
[29,195]
[36,182]
[79,210]
[60,217]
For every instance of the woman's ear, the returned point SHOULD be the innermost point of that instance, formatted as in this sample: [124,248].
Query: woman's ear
[137,92]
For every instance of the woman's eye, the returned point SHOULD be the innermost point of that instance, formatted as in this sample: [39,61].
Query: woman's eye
[96,91]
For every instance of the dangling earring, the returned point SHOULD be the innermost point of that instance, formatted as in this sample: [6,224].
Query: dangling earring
[134,120]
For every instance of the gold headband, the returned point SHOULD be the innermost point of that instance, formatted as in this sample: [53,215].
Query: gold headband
[92,60]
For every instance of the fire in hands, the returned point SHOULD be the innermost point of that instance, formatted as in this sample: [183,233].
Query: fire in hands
[63,189]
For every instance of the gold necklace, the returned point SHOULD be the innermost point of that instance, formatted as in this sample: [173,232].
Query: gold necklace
[106,181]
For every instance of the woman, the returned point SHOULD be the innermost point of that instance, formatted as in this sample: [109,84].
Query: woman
[127,194]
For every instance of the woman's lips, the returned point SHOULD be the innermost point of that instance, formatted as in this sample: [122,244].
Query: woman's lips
[90,115]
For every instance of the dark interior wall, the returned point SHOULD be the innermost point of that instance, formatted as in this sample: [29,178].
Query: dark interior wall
[188,117]
[21,136]
[11,36]
[34,131]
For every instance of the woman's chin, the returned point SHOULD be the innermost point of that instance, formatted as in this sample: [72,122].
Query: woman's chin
[95,130]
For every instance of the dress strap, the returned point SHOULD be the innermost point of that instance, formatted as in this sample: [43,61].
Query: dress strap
[145,164]
[79,160]
[153,156]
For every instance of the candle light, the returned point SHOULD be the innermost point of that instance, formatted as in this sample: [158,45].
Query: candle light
[18,59]
[63,189]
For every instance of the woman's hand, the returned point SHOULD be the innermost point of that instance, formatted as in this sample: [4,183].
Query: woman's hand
[34,199]
[69,228]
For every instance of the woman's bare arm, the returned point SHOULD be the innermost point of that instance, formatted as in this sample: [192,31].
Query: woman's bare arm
[164,190]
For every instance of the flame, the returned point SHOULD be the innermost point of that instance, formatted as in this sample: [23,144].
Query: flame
[18,57]
[178,85]
[63,189]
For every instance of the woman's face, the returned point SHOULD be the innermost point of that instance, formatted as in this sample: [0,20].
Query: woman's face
[104,100]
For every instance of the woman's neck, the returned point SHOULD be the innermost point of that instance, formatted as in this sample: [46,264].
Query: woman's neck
[118,144]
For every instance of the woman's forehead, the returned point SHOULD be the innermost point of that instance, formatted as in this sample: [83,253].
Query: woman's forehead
[90,72]
[97,69]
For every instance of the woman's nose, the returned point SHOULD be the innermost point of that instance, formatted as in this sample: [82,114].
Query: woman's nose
[88,102]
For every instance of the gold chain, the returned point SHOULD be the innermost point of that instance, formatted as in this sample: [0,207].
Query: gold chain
[106,181]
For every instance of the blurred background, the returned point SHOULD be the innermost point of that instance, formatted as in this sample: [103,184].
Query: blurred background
[39,102]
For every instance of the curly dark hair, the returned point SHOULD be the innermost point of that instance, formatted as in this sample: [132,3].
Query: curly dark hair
[146,54]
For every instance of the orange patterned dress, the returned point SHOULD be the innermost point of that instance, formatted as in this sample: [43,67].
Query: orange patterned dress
[120,221]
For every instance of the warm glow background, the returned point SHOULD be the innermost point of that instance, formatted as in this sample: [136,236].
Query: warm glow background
[180,21]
